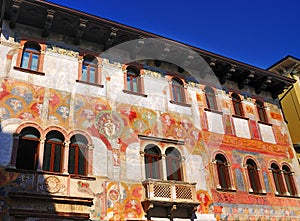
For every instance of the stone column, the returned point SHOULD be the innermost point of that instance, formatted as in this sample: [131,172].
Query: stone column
[215,177]
[65,162]
[41,154]
[261,180]
[285,192]
[246,178]
[183,169]
[143,172]
[142,89]
[89,159]
[80,61]
[99,74]
[164,167]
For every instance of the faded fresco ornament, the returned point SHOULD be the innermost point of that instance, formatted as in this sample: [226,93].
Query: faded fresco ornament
[109,123]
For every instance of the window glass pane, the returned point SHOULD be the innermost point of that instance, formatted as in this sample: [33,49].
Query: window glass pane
[222,175]
[47,155]
[155,168]
[128,83]
[57,158]
[278,183]
[25,60]
[135,85]
[173,164]
[175,93]
[84,73]
[152,167]
[34,62]
[71,165]
[81,162]
[173,169]
[92,75]
[26,154]
[210,102]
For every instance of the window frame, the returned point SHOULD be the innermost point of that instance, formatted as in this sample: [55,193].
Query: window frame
[237,105]
[51,159]
[261,111]
[24,44]
[176,175]
[278,179]
[156,166]
[25,137]
[89,62]
[223,178]
[178,90]
[210,97]
[289,180]
[133,80]
[138,74]
[80,147]
[253,176]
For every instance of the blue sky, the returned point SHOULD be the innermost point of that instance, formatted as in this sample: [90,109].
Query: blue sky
[257,32]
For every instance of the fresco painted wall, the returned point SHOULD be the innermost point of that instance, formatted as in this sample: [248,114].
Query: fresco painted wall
[114,121]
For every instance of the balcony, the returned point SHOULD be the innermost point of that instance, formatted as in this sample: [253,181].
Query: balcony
[174,199]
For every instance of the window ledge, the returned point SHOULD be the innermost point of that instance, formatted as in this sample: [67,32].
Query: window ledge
[90,83]
[17,170]
[54,173]
[287,196]
[258,193]
[266,123]
[29,71]
[214,111]
[135,93]
[82,177]
[180,103]
[241,117]
[226,190]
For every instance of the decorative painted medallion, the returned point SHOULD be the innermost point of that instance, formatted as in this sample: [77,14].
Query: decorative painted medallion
[109,123]
[52,184]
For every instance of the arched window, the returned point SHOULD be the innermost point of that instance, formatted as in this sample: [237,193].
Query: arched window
[210,98]
[30,56]
[133,80]
[278,180]
[77,155]
[152,162]
[173,164]
[237,105]
[289,180]
[178,90]
[261,111]
[89,69]
[223,171]
[53,152]
[27,154]
[253,176]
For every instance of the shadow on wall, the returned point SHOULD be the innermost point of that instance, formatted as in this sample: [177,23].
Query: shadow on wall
[28,193]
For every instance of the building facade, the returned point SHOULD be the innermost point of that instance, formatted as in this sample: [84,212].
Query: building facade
[289,66]
[100,121]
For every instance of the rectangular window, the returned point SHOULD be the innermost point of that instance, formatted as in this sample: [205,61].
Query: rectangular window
[25,60]
[52,157]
